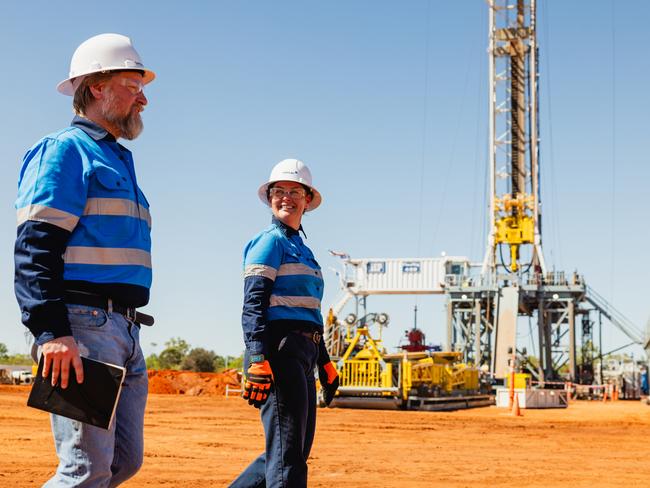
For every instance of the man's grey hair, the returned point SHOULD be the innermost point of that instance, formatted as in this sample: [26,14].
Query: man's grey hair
[83,97]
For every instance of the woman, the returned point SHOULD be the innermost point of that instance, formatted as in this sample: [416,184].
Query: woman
[283,331]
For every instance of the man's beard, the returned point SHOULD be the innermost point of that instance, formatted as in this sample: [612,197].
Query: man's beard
[130,124]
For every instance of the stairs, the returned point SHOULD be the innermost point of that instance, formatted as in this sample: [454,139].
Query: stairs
[617,318]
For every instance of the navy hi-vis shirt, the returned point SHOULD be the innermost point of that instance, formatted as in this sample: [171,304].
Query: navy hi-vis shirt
[283,285]
[83,224]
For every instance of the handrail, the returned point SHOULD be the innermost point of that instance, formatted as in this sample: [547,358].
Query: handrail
[615,317]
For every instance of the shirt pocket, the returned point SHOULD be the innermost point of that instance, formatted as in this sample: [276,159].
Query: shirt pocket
[310,260]
[291,257]
[112,209]
[313,263]
[112,182]
[291,254]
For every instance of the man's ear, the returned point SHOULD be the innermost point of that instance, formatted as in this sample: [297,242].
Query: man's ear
[98,90]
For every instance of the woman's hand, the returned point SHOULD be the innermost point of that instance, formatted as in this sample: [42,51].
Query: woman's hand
[329,381]
[259,379]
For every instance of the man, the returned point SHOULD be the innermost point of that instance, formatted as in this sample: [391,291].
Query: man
[82,255]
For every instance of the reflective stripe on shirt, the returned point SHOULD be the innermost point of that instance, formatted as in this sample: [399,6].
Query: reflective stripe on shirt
[298,269]
[107,255]
[118,207]
[260,270]
[303,302]
[42,213]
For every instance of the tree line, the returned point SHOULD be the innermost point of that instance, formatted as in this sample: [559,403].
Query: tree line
[13,359]
[179,355]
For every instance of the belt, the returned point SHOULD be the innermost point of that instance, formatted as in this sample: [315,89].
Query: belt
[98,301]
[313,335]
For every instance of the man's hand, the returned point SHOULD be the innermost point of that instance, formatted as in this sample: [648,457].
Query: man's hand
[259,379]
[329,381]
[58,355]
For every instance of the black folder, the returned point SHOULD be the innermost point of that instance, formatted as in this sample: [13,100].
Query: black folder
[92,402]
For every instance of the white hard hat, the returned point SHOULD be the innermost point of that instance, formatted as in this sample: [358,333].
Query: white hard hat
[105,52]
[291,170]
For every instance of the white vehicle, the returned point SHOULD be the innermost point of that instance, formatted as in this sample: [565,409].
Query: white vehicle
[22,377]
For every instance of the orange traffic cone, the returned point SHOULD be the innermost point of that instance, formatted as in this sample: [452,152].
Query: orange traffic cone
[516,411]
[604,393]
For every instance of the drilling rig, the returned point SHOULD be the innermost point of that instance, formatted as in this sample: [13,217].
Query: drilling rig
[487,301]
[514,284]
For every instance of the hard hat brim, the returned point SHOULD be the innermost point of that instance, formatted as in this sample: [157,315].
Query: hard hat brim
[315,200]
[66,87]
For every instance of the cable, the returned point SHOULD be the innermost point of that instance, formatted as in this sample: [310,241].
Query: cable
[532,335]
[424,129]
[480,100]
[555,214]
[509,268]
[613,222]
[503,261]
[452,155]
[424,123]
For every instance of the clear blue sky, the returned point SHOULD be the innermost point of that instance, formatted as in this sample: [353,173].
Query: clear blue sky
[349,88]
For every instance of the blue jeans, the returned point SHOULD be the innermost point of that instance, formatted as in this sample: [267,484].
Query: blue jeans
[90,456]
[288,416]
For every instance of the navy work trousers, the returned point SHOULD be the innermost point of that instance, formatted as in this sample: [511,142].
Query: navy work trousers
[288,416]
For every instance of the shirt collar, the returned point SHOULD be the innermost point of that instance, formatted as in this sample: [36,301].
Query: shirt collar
[288,231]
[94,130]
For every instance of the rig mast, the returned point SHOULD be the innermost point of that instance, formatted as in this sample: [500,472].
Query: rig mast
[483,313]
[515,211]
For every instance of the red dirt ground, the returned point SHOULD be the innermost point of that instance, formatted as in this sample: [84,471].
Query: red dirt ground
[200,441]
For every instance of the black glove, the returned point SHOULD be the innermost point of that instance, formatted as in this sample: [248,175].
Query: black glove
[329,381]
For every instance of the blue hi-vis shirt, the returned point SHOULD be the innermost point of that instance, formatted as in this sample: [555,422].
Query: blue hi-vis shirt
[83,224]
[282,283]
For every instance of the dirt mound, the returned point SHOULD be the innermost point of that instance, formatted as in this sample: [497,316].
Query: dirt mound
[194,384]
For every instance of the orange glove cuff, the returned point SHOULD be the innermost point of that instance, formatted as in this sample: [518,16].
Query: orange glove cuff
[262,369]
[330,369]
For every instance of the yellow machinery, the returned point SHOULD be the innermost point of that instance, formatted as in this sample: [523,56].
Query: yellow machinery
[439,374]
[522,380]
[426,380]
[514,224]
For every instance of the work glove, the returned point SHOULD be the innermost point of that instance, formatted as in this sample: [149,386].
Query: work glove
[259,379]
[329,381]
